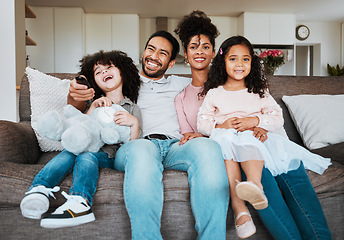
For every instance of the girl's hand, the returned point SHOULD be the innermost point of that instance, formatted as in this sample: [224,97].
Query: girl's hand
[260,133]
[124,118]
[188,136]
[242,124]
[100,102]
[227,124]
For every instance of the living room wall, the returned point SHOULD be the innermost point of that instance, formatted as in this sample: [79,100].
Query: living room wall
[326,36]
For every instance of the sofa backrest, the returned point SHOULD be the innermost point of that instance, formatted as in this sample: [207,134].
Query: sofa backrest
[279,86]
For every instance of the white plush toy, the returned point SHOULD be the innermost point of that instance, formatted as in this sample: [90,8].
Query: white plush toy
[80,132]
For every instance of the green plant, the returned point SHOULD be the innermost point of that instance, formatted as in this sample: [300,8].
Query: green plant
[335,71]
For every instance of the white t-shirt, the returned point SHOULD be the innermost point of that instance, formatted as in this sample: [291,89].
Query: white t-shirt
[156,102]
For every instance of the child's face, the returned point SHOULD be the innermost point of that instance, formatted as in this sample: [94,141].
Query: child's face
[107,77]
[200,51]
[238,62]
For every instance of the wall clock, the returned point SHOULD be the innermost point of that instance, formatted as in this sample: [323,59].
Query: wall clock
[302,32]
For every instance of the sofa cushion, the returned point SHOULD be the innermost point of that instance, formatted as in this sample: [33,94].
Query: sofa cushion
[46,93]
[318,118]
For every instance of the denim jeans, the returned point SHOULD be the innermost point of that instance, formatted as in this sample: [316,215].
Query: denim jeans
[298,213]
[85,168]
[144,161]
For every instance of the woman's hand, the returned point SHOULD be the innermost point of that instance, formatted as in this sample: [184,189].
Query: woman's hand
[260,133]
[188,136]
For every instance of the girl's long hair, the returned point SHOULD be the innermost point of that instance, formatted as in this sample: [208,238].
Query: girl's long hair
[255,81]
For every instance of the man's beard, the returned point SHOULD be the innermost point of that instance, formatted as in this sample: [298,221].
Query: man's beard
[157,74]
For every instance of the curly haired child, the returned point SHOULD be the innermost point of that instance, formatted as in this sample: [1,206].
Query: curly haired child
[115,80]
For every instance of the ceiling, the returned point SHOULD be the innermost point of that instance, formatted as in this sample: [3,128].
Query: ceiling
[305,10]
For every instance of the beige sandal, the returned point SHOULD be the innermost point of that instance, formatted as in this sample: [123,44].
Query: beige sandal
[250,192]
[247,229]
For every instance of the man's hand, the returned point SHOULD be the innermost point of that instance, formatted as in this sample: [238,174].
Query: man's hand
[79,92]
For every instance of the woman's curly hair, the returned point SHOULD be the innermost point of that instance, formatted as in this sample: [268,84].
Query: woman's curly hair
[217,76]
[195,24]
[129,72]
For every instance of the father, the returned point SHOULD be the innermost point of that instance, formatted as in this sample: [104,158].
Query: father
[144,160]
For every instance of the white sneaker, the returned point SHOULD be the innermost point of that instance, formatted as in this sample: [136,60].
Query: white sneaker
[250,192]
[36,201]
[247,229]
[74,212]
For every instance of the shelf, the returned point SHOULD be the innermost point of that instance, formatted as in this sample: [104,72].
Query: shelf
[28,12]
[29,41]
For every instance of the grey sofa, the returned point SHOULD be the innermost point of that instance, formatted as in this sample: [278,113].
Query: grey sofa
[21,159]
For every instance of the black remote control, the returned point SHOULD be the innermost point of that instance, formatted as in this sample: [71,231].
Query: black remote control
[82,80]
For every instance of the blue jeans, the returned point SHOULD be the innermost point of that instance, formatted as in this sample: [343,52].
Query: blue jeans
[85,168]
[144,161]
[298,213]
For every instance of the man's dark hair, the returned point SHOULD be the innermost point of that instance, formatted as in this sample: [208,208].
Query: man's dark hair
[168,36]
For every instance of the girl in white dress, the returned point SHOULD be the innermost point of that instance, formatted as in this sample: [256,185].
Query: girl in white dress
[237,103]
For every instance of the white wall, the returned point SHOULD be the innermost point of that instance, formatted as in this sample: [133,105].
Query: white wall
[327,35]
[8,98]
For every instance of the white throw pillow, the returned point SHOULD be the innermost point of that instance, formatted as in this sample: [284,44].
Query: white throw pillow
[46,93]
[318,118]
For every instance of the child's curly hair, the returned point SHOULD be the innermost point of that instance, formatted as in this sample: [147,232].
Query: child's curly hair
[195,24]
[255,80]
[129,72]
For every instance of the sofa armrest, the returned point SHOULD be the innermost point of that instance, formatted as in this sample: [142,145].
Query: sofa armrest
[18,143]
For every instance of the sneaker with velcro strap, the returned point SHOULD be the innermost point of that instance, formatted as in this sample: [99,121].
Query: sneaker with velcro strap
[36,201]
[73,212]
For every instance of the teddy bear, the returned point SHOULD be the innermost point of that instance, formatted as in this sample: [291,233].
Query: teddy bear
[79,132]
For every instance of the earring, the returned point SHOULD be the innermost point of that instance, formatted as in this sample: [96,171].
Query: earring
[186,62]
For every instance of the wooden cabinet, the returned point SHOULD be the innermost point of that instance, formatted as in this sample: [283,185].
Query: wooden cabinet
[29,14]
[267,28]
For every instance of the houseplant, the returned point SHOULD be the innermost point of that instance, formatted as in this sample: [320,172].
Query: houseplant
[272,60]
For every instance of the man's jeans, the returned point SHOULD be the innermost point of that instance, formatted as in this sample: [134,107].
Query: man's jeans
[144,161]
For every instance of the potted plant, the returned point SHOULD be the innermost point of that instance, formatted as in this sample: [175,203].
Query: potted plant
[272,60]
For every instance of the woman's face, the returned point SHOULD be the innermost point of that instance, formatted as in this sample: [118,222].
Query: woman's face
[199,52]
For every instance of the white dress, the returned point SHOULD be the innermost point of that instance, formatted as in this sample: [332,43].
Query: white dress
[279,154]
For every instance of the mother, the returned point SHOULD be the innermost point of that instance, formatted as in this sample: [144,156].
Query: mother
[294,211]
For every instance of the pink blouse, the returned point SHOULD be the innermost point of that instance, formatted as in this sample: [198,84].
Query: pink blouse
[220,105]
[187,104]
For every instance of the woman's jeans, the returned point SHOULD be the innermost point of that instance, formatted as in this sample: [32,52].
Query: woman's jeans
[296,215]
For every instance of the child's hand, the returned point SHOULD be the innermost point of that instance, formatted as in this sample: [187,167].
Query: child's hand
[188,136]
[80,92]
[243,124]
[227,124]
[124,118]
[102,102]
[260,133]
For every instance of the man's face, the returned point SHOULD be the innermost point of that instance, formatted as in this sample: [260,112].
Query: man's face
[156,58]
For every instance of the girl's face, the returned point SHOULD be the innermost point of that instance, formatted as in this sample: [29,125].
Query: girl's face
[107,77]
[238,62]
[199,52]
